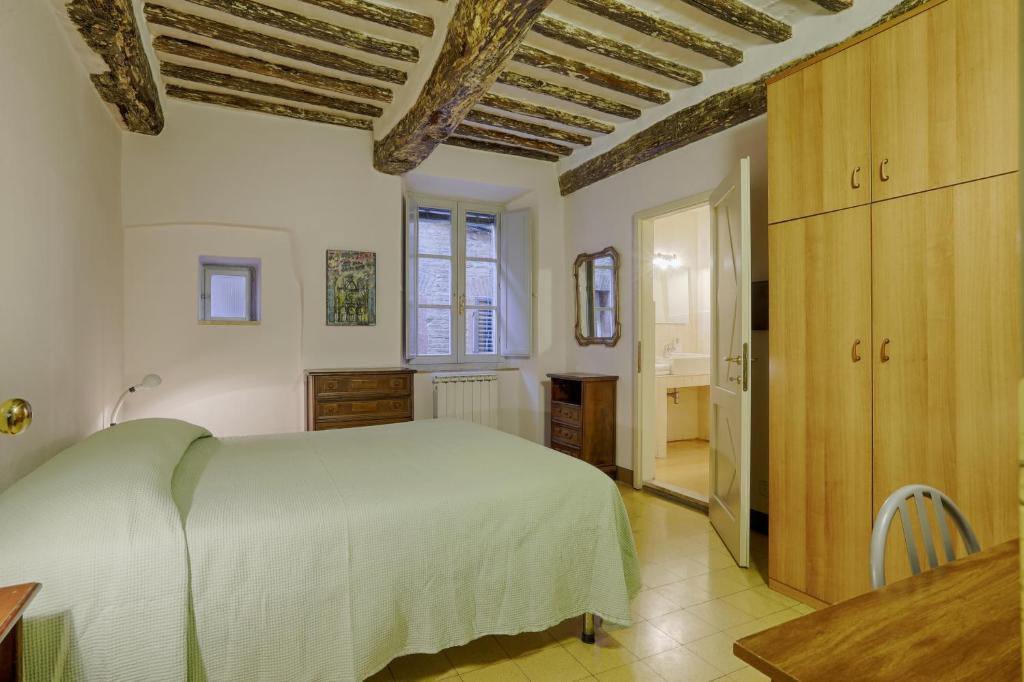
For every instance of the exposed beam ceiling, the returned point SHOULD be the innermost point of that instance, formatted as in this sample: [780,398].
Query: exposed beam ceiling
[108,27]
[380,14]
[835,5]
[248,104]
[482,36]
[572,68]
[481,145]
[584,99]
[744,16]
[517,106]
[492,135]
[527,128]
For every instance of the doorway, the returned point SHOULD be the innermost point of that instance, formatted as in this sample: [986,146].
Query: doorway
[675,327]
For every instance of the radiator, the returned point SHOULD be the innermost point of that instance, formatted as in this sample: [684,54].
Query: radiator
[470,397]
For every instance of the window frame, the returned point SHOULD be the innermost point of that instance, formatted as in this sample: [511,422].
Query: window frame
[249,268]
[458,307]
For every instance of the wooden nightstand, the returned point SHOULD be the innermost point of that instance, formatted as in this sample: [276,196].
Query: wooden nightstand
[13,602]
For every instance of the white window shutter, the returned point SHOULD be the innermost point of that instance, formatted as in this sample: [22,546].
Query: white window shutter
[411,249]
[516,284]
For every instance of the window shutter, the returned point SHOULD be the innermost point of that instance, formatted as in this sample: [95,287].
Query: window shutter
[516,284]
[411,250]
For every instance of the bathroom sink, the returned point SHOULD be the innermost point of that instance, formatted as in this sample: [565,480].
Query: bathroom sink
[690,364]
[662,366]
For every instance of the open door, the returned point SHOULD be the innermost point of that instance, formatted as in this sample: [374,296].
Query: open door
[729,494]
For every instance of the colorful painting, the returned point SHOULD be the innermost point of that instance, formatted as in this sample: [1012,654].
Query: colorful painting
[351,288]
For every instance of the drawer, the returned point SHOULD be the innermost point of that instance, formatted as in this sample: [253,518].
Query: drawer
[566,450]
[358,385]
[566,435]
[567,413]
[335,425]
[362,410]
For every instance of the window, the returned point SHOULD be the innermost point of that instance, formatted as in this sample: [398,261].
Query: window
[452,293]
[229,289]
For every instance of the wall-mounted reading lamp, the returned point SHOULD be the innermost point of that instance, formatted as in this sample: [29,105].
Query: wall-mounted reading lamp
[15,416]
[149,381]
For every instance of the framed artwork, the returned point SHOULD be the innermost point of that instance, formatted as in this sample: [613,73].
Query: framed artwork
[351,288]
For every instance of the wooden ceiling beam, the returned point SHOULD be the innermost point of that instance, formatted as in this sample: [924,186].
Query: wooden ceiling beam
[312,28]
[190,23]
[384,15]
[108,27]
[714,114]
[248,104]
[742,15]
[482,36]
[591,42]
[313,79]
[835,5]
[584,99]
[535,129]
[275,90]
[516,106]
[662,29]
[500,136]
[541,59]
[483,146]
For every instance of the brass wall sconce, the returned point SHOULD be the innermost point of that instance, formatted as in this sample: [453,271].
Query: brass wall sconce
[15,416]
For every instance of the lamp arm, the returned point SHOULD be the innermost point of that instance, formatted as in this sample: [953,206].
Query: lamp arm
[120,402]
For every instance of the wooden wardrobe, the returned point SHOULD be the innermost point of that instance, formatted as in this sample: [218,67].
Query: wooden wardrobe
[893,249]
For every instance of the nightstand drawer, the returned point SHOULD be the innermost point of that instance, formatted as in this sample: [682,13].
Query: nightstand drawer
[362,385]
[566,450]
[566,435]
[567,413]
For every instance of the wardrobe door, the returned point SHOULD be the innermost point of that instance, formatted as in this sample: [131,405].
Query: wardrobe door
[819,139]
[947,353]
[820,404]
[944,93]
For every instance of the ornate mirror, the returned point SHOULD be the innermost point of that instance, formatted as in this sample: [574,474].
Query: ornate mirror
[597,298]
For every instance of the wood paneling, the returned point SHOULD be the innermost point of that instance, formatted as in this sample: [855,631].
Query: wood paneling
[945,97]
[946,296]
[819,137]
[820,404]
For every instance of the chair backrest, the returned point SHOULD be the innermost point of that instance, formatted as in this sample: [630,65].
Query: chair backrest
[942,505]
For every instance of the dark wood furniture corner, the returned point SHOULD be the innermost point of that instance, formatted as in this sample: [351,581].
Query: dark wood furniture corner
[583,418]
[344,398]
[13,602]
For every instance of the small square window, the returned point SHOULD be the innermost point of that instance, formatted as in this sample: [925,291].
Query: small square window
[229,289]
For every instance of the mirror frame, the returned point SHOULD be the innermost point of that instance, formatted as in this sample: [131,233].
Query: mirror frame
[581,339]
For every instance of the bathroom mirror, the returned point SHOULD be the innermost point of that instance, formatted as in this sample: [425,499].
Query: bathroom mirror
[597,298]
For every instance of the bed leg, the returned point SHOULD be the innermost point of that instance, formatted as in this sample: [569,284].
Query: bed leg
[588,629]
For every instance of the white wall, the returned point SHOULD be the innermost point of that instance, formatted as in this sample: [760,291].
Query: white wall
[602,215]
[238,181]
[60,239]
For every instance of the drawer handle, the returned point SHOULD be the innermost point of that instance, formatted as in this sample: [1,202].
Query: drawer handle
[856,353]
[882,170]
[855,179]
[885,350]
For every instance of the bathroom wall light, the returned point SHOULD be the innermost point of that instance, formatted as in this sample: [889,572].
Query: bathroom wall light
[666,261]
[149,381]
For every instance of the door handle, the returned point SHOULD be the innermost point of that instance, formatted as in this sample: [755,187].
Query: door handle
[881,170]
[855,353]
[734,359]
[885,349]
[854,179]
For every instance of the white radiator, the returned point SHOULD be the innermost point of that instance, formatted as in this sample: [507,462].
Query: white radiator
[470,397]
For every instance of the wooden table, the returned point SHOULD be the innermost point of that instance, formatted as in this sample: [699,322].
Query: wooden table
[960,621]
[13,602]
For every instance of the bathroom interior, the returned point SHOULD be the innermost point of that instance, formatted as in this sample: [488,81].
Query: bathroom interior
[682,311]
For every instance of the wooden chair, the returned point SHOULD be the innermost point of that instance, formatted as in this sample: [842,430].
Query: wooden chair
[898,502]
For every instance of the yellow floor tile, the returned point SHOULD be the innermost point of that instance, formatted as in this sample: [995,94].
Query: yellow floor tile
[681,665]
[506,671]
[747,674]
[754,626]
[552,665]
[477,654]
[683,626]
[634,672]
[601,656]
[804,608]
[524,643]
[684,593]
[567,631]
[422,668]
[656,575]
[650,604]
[716,584]
[720,614]
[643,639]
[786,601]
[748,576]
[686,568]
[716,649]
[756,604]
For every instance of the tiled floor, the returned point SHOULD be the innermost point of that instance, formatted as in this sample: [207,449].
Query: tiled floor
[695,603]
[685,467]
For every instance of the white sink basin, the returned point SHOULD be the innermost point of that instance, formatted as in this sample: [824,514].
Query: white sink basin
[662,367]
[690,364]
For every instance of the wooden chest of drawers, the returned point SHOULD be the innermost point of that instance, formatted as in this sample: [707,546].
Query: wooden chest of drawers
[343,398]
[583,418]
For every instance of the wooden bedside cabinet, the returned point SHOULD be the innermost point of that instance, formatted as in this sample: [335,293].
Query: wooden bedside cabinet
[583,418]
[13,602]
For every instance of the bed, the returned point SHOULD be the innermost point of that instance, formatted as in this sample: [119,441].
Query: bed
[168,554]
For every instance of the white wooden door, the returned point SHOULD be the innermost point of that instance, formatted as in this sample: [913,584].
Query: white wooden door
[729,494]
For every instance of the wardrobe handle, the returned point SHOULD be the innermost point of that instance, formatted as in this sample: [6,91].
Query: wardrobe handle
[854,179]
[881,170]
[885,350]
[856,353]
